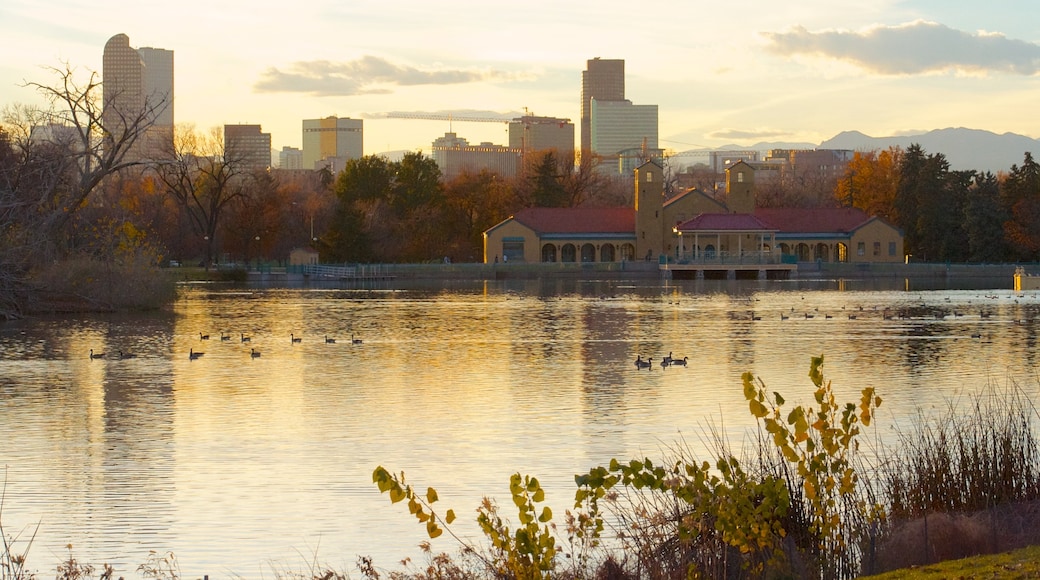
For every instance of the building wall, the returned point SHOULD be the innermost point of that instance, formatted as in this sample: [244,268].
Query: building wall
[290,158]
[740,188]
[618,126]
[495,239]
[135,81]
[157,82]
[649,202]
[530,134]
[248,145]
[602,79]
[332,137]
[455,155]
[878,235]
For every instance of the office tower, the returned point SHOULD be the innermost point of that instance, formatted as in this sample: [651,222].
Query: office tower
[136,81]
[623,134]
[530,133]
[332,137]
[290,158]
[247,146]
[454,155]
[603,80]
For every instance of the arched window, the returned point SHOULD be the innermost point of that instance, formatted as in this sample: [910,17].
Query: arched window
[588,253]
[549,253]
[803,252]
[822,252]
[606,253]
[842,252]
[628,252]
[568,253]
[709,251]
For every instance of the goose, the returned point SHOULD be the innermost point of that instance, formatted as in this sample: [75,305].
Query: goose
[977,335]
[126,355]
[224,336]
[98,355]
[245,338]
[192,355]
[354,340]
[784,316]
[203,336]
[294,338]
[329,340]
[640,364]
[679,361]
[253,353]
[852,317]
[667,360]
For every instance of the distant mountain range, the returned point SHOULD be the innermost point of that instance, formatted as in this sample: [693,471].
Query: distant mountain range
[963,148]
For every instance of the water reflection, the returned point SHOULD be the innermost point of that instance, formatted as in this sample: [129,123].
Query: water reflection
[458,385]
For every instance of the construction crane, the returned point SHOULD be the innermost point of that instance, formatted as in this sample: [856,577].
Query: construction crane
[445,117]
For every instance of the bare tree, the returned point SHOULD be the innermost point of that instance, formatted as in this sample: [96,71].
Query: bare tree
[51,161]
[95,146]
[204,177]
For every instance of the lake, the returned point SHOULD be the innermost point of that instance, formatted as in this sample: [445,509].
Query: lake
[243,466]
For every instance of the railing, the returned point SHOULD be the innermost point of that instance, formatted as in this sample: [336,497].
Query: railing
[728,258]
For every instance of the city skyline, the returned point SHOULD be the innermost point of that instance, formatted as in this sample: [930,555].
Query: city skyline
[719,75]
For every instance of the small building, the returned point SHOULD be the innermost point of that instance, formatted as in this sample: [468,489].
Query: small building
[695,233]
[303,257]
[844,234]
[613,234]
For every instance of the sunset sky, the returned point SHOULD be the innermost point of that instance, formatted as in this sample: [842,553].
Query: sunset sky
[721,73]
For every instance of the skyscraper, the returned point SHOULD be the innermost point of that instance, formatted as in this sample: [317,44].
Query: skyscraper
[248,145]
[332,137]
[603,80]
[138,82]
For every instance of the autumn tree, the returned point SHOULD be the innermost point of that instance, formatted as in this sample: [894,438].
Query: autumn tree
[870,182]
[473,203]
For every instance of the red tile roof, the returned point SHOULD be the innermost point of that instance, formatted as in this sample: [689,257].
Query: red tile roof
[724,222]
[578,220]
[830,220]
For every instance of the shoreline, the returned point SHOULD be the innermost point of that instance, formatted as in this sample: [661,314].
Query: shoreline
[807,271]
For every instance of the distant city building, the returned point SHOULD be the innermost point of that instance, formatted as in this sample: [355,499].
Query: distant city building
[620,130]
[531,133]
[137,81]
[248,145]
[332,137]
[290,158]
[603,80]
[454,155]
[827,163]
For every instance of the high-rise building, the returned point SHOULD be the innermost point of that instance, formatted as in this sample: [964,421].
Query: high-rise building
[623,134]
[136,82]
[453,155]
[248,146]
[530,133]
[332,137]
[290,158]
[603,80]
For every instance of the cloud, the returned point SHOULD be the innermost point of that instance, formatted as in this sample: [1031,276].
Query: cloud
[744,134]
[913,48]
[365,76]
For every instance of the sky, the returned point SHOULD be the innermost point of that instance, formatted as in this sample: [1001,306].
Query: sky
[721,73]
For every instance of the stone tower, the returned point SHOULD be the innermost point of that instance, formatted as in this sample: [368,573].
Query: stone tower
[649,202]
